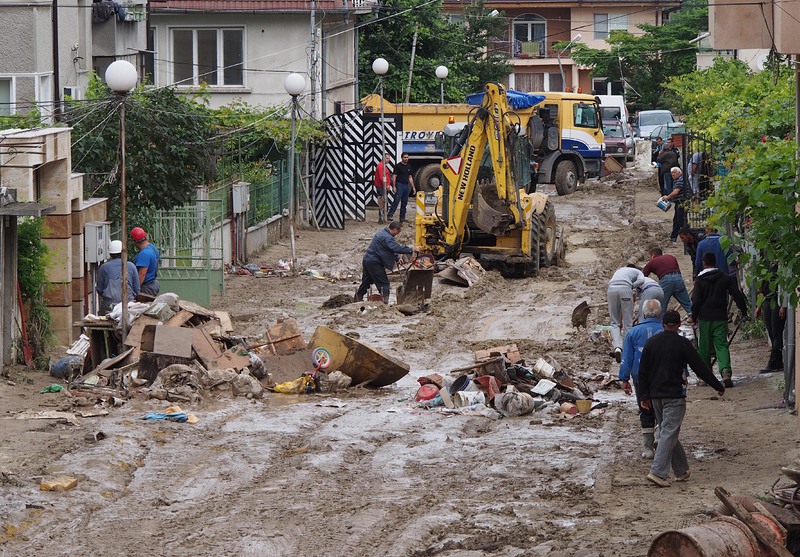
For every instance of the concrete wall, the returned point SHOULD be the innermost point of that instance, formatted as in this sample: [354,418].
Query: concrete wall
[583,20]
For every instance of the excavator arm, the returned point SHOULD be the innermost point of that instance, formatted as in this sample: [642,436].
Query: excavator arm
[497,204]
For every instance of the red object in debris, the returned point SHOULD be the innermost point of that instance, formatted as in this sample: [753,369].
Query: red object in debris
[427,392]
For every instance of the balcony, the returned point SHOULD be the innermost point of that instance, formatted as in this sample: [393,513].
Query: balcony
[523,50]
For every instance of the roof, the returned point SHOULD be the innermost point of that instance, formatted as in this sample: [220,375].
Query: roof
[249,6]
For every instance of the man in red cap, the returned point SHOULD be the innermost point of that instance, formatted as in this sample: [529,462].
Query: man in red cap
[146,262]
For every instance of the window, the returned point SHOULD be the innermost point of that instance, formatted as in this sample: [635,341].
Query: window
[530,31]
[211,56]
[6,96]
[605,23]
[584,115]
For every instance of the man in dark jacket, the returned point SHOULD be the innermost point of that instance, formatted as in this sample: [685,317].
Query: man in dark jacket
[710,311]
[381,254]
[667,159]
[662,382]
[679,195]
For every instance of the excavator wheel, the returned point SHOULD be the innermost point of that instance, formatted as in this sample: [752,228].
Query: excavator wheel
[548,237]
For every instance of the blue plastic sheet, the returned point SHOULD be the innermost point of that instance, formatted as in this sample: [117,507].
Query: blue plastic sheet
[516,99]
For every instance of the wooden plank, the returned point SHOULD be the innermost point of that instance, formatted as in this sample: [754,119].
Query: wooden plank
[180,318]
[134,337]
[197,309]
[225,319]
[761,530]
[205,347]
[285,337]
[236,357]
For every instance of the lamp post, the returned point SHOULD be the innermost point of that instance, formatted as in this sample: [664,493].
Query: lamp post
[121,77]
[294,85]
[441,73]
[560,69]
[380,66]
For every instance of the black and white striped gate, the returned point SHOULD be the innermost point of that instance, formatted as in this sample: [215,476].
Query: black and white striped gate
[343,167]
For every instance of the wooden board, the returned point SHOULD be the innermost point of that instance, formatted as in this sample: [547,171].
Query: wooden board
[205,347]
[285,337]
[236,357]
[180,318]
[225,320]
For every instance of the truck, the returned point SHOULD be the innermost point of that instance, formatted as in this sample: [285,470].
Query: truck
[564,128]
[483,207]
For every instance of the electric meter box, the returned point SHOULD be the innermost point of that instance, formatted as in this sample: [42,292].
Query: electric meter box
[241,197]
[96,238]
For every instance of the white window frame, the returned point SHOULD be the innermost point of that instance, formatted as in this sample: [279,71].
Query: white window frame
[530,20]
[220,56]
[11,109]
[613,21]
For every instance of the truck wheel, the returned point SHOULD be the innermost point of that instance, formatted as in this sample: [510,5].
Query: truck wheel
[548,239]
[566,178]
[429,178]
[532,268]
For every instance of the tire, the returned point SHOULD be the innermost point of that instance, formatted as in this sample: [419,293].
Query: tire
[424,176]
[548,237]
[532,267]
[566,178]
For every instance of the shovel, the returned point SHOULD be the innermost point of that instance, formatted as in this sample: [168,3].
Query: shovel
[27,349]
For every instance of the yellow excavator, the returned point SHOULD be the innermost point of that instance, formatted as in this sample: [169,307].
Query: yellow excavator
[484,207]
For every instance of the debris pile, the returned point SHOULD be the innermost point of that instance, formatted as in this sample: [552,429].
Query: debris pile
[500,384]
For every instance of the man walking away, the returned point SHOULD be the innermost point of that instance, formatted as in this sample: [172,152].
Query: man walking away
[146,262]
[774,314]
[383,179]
[620,304]
[710,311]
[662,380]
[666,268]
[403,186]
[381,254]
[635,340]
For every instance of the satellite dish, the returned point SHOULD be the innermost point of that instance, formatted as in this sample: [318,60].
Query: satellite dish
[761,60]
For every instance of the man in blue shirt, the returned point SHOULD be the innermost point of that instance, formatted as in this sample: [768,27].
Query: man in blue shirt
[635,340]
[109,279]
[381,254]
[710,244]
[146,262]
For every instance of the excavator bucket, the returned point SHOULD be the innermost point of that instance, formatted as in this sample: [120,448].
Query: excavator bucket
[415,292]
[488,211]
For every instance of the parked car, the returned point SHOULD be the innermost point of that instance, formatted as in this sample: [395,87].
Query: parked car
[615,141]
[612,107]
[647,120]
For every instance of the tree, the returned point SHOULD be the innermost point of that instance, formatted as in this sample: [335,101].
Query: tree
[751,118]
[167,146]
[461,45]
[646,62]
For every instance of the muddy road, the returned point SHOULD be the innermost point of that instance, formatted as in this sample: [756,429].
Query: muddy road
[374,475]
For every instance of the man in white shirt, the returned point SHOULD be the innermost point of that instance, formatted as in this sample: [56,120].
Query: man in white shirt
[620,304]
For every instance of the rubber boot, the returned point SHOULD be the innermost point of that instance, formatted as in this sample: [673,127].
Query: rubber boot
[727,380]
[648,436]
[380,216]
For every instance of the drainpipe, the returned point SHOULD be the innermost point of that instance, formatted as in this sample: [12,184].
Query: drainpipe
[56,71]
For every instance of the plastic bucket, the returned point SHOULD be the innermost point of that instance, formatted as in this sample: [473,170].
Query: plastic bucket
[463,383]
[583,406]
[721,536]
[468,398]
[664,205]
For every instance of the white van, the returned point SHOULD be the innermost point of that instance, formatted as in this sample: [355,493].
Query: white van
[612,108]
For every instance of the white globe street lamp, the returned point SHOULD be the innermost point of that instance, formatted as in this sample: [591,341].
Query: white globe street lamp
[294,84]
[380,66]
[121,77]
[441,73]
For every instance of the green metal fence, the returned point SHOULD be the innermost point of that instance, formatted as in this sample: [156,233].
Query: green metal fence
[269,193]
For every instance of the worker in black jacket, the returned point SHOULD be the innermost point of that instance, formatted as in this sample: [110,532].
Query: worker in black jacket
[662,382]
[710,312]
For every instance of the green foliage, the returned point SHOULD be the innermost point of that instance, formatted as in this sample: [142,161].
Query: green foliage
[751,118]
[648,60]
[32,261]
[167,146]
[461,46]
[31,119]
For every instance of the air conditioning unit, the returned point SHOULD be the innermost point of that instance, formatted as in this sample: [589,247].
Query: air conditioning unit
[75,93]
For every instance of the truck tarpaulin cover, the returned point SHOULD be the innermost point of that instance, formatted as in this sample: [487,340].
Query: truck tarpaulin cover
[515,99]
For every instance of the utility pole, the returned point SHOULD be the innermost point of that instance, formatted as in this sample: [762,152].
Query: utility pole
[313,64]
[411,67]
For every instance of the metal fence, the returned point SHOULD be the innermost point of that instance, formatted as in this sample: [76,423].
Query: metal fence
[269,193]
[700,163]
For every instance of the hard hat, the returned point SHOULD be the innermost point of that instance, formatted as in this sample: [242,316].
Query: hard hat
[138,234]
[115,247]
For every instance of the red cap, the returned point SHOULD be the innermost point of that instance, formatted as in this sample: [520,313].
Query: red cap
[138,234]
